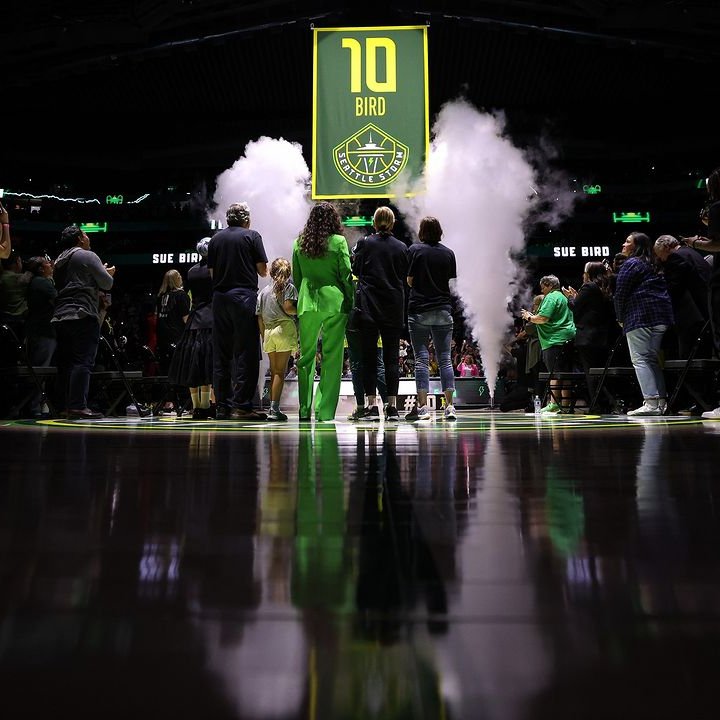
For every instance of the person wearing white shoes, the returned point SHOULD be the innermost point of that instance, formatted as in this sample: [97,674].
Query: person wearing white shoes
[644,311]
[431,269]
[555,328]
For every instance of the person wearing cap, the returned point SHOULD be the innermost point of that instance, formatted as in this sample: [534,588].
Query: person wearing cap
[192,362]
[236,257]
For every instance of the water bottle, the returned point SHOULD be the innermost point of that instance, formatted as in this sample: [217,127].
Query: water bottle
[537,404]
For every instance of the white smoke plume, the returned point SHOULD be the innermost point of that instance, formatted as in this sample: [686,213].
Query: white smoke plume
[483,190]
[273,178]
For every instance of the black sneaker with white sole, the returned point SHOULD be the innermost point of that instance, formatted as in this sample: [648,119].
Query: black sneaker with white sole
[369,413]
[391,414]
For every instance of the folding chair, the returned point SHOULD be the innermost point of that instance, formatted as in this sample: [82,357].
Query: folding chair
[567,350]
[687,365]
[606,369]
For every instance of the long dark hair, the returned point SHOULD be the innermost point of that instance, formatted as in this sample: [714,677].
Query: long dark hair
[597,273]
[643,247]
[322,222]
[430,231]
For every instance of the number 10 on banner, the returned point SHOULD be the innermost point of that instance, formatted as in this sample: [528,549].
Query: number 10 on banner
[370,109]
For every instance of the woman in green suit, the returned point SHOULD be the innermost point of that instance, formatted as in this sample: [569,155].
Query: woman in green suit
[321,272]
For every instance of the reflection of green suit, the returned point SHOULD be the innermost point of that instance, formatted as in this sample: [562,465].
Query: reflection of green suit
[325,297]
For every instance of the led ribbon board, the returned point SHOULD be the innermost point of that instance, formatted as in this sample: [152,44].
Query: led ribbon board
[370,109]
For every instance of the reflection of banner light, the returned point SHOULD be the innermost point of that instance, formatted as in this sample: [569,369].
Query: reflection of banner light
[631,217]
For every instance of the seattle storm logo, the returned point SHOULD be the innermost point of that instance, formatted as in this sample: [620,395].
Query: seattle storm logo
[370,157]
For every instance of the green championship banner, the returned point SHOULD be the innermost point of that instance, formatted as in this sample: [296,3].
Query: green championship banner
[370,109]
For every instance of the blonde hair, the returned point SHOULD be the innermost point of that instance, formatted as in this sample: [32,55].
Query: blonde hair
[280,273]
[384,219]
[171,281]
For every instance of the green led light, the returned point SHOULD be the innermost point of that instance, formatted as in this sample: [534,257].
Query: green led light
[357,221]
[592,189]
[631,217]
[93,227]
[114,200]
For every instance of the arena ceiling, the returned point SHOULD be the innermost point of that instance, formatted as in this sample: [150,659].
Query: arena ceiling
[156,89]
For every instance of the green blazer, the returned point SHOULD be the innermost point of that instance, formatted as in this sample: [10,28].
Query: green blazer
[324,284]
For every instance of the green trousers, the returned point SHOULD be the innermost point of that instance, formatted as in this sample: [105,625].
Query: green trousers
[332,327]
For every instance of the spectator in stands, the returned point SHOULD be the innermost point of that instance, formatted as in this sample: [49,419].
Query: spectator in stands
[192,362]
[468,367]
[710,243]
[380,263]
[172,308]
[643,309]
[80,276]
[321,272]
[39,330]
[556,330]
[236,257]
[13,307]
[594,318]
[687,275]
[5,242]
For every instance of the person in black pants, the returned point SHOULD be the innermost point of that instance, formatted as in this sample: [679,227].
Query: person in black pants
[380,263]
[80,276]
[236,256]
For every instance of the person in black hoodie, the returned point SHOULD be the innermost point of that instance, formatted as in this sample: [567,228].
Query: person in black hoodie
[380,263]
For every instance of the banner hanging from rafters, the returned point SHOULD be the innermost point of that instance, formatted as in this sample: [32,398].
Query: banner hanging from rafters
[370,110]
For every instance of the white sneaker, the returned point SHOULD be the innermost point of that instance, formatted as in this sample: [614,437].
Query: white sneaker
[450,413]
[662,405]
[419,414]
[712,414]
[645,410]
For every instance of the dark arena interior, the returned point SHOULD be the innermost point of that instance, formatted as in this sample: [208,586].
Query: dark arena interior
[505,565]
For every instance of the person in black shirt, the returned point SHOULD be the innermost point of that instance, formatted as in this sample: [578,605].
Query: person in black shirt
[432,267]
[687,274]
[191,364]
[236,256]
[380,263]
[173,307]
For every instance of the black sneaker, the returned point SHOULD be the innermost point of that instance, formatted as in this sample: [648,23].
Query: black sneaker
[391,414]
[247,414]
[369,413]
[412,416]
[222,413]
[355,414]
